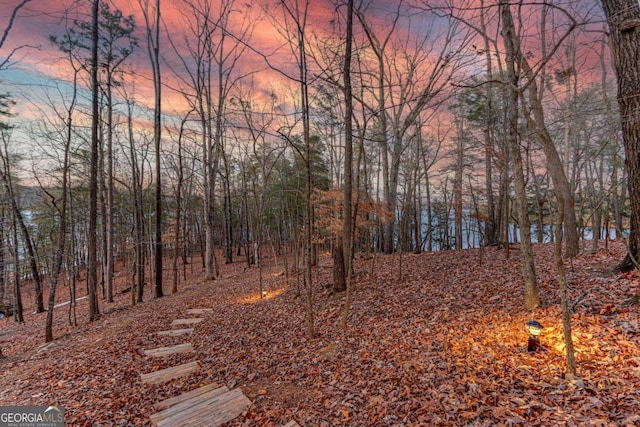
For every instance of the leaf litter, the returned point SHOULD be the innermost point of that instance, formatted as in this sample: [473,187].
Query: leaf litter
[444,344]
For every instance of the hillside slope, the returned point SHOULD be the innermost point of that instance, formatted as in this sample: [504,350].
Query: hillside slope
[444,344]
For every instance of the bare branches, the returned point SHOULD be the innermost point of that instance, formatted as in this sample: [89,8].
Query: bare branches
[11,21]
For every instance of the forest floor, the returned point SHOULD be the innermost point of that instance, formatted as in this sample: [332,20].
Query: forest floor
[440,341]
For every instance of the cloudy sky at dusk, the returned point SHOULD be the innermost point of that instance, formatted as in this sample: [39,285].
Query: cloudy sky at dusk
[37,64]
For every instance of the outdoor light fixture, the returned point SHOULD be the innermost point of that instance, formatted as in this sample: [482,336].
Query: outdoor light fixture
[535,329]
[264,294]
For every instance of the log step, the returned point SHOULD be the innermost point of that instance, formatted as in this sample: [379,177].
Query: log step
[169,373]
[189,395]
[199,310]
[175,332]
[191,321]
[166,351]
[209,409]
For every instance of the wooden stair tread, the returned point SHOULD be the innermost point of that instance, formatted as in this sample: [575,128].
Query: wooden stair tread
[199,310]
[291,424]
[175,332]
[190,321]
[168,374]
[188,395]
[211,408]
[188,402]
[166,351]
[232,408]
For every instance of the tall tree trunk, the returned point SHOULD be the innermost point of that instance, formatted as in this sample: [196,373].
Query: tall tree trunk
[59,255]
[102,205]
[177,247]
[623,17]
[92,244]
[154,51]
[137,291]
[532,299]
[491,226]
[109,220]
[60,249]
[347,219]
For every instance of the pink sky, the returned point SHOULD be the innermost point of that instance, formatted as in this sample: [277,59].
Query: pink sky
[41,18]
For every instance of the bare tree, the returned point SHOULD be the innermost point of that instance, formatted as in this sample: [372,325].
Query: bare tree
[209,56]
[7,30]
[347,213]
[61,207]
[92,249]
[292,24]
[117,44]
[7,180]
[623,17]
[4,103]
[152,20]
[137,178]
[414,75]
[265,155]
[179,201]
[532,298]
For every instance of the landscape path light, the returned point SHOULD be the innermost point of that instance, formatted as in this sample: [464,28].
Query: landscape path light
[535,330]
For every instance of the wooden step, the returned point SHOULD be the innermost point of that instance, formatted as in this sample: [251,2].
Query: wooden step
[170,373]
[291,424]
[209,409]
[175,332]
[166,351]
[191,321]
[189,395]
[199,310]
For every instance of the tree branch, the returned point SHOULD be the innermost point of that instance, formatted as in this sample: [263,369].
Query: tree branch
[11,20]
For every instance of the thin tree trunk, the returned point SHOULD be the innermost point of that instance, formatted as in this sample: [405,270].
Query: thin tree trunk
[532,299]
[457,183]
[61,244]
[92,262]
[18,315]
[177,249]
[109,219]
[138,271]
[154,53]
[491,231]
[564,300]
[347,224]
[3,247]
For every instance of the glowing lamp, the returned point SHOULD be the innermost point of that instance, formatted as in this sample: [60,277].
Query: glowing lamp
[264,294]
[535,330]
[534,327]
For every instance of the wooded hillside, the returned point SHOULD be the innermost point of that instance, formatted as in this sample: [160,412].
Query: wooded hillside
[445,344]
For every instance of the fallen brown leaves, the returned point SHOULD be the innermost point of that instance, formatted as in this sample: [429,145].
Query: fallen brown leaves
[446,345]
